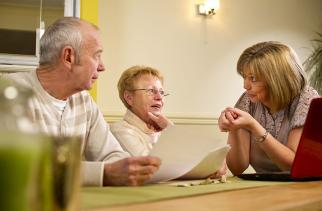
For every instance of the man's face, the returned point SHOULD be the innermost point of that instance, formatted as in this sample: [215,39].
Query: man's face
[144,101]
[85,73]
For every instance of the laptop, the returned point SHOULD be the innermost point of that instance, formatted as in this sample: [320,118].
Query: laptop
[307,164]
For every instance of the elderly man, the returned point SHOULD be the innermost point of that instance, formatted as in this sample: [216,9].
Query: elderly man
[70,62]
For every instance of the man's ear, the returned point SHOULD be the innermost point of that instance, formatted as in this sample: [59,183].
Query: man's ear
[67,56]
[128,96]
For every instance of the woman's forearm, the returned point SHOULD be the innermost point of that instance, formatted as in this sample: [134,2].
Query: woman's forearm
[238,156]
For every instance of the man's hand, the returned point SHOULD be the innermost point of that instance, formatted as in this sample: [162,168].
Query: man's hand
[130,171]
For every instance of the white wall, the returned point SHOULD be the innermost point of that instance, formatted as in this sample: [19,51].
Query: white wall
[197,55]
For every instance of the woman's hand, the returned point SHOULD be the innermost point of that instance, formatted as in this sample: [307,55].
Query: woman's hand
[233,118]
[158,122]
[241,119]
[226,118]
[222,171]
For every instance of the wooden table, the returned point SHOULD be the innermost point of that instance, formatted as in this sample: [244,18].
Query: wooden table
[294,196]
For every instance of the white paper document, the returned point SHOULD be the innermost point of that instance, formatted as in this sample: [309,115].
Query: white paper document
[186,155]
[209,164]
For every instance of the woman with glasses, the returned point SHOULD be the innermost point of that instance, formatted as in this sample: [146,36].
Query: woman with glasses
[267,122]
[141,91]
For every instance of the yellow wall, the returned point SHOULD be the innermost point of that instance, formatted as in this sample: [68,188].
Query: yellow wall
[89,12]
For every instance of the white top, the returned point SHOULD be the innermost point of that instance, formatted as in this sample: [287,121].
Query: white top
[134,135]
[80,117]
[60,104]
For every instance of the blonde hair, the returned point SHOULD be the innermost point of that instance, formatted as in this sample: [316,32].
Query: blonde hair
[278,66]
[131,75]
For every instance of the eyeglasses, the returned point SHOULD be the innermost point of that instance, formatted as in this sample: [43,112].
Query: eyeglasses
[152,92]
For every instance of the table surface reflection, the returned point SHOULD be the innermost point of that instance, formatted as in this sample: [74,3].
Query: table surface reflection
[292,196]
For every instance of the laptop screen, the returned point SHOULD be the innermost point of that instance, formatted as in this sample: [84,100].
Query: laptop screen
[308,158]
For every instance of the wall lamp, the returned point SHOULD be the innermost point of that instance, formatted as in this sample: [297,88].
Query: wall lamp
[208,8]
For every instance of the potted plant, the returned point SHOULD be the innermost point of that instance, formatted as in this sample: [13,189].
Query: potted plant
[313,64]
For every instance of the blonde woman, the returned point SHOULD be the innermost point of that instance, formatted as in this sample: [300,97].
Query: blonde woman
[266,124]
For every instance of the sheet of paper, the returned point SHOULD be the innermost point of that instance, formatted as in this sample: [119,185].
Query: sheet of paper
[209,164]
[182,153]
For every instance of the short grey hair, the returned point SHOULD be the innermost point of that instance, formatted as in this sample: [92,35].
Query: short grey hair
[65,31]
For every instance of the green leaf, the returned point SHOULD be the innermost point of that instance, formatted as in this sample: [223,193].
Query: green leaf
[313,64]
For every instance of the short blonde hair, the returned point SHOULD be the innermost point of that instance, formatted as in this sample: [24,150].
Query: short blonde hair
[131,75]
[278,66]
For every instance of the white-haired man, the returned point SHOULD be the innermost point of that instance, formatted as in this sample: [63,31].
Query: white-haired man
[70,62]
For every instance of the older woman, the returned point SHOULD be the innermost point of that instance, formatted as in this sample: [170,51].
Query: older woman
[141,91]
[266,124]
